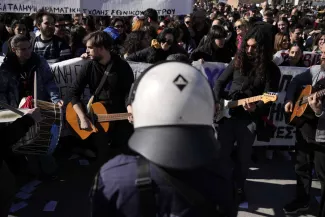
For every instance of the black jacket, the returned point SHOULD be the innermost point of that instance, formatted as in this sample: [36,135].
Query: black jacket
[212,54]
[115,90]
[13,133]
[153,55]
[247,86]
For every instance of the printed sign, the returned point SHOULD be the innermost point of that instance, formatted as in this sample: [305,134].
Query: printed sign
[65,74]
[309,58]
[284,134]
[98,7]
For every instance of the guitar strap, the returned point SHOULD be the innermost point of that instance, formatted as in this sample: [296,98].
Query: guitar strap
[145,188]
[100,86]
[104,78]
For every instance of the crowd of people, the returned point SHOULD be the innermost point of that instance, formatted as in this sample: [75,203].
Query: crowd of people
[170,127]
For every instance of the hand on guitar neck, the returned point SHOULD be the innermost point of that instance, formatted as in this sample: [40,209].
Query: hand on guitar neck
[250,107]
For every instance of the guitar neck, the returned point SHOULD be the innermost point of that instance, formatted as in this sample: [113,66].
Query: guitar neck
[242,102]
[319,94]
[113,117]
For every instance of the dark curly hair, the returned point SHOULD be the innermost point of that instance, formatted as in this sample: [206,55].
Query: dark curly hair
[263,56]
[133,42]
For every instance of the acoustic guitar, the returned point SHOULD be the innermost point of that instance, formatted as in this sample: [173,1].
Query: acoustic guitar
[302,110]
[228,104]
[99,117]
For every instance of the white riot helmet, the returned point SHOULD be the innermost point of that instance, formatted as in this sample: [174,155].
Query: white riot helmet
[173,111]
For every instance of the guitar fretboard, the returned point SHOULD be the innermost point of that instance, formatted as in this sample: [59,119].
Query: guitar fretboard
[240,102]
[113,117]
[319,94]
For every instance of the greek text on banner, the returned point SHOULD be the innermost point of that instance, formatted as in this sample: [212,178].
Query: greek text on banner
[66,72]
[98,7]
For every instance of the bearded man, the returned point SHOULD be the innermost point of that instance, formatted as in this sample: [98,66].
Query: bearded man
[51,47]
[252,73]
[114,92]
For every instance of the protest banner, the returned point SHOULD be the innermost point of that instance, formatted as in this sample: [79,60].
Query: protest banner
[98,7]
[65,73]
[284,134]
[309,58]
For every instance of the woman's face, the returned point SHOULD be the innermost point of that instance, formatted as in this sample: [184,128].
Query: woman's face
[285,43]
[239,28]
[20,29]
[167,42]
[282,26]
[295,54]
[321,42]
[119,26]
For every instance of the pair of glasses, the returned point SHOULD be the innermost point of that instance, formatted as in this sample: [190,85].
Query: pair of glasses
[188,22]
[238,27]
[169,42]
[119,26]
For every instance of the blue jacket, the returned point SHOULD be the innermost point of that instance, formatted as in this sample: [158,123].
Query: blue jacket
[114,192]
[10,79]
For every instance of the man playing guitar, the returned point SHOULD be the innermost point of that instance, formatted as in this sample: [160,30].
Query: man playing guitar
[308,149]
[252,73]
[114,91]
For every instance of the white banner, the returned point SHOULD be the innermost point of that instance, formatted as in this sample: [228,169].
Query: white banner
[284,134]
[308,58]
[65,73]
[98,7]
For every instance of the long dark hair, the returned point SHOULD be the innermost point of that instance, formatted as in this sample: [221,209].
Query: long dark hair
[263,56]
[214,33]
[77,34]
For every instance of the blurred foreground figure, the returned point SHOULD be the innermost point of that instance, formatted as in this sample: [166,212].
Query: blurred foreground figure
[177,171]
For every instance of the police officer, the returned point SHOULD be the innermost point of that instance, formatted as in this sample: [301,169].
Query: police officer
[176,169]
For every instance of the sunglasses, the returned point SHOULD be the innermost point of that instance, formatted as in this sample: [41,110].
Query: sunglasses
[188,22]
[119,26]
[238,27]
[169,42]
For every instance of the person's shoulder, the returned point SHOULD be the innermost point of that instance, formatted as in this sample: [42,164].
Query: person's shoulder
[57,38]
[272,65]
[120,162]
[315,68]
[120,62]
[38,38]
[60,41]
[120,171]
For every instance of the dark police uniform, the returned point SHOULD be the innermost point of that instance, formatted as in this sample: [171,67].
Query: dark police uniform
[115,194]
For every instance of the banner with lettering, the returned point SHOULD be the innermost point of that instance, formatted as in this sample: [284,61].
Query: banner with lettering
[309,58]
[65,74]
[98,7]
[284,134]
